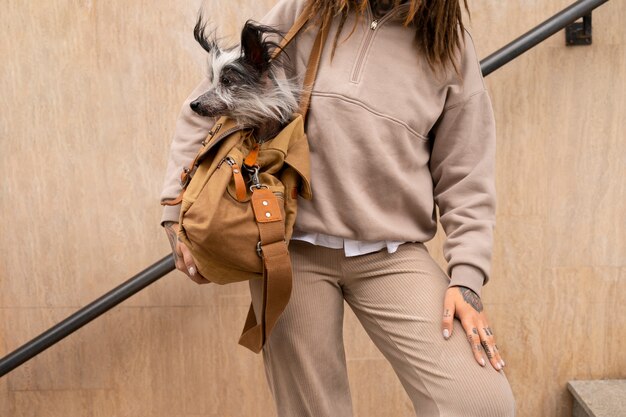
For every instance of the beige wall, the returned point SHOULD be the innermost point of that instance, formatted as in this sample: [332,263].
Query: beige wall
[89,92]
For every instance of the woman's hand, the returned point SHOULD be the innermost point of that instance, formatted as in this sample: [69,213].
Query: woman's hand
[465,304]
[182,255]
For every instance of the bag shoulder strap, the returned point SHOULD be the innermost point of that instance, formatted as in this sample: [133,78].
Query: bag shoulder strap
[314,57]
[277,274]
[312,67]
[293,30]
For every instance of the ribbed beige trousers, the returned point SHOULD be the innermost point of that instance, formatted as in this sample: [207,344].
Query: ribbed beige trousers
[398,299]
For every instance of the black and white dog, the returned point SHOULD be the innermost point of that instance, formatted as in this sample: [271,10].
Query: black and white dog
[246,84]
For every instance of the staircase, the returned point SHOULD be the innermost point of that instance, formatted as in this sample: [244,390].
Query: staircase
[599,398]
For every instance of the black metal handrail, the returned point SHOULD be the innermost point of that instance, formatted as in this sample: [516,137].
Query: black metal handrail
[537,35]
[166,265]
[86,314]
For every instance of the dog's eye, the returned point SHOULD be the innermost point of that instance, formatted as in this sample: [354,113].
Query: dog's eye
[225,81]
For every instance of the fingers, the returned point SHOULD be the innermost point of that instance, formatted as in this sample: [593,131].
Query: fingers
[473,339]
[489,345]
[467,307]
[182,255]
[178,257]
[501,360]
[190,265]
[480,338]
[447,323]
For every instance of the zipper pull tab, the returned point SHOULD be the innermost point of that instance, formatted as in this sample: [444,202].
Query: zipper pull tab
[240,184]
[374,24]
[229,160]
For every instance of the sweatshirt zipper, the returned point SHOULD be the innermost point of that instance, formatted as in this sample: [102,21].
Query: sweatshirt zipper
[369,37]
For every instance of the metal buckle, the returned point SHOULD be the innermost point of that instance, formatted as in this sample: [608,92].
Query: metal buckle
[258,250]
[258,187]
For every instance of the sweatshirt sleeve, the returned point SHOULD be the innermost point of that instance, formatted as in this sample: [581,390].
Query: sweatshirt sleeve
[189,132]
[462,165]
[191,128]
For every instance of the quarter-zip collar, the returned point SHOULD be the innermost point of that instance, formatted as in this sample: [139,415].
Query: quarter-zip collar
[386,16]
[374,25]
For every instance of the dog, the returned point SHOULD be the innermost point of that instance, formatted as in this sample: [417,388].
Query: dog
[247,85]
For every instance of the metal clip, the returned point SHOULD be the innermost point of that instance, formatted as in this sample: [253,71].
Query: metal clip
[253,172]
[258,250]
[254,176]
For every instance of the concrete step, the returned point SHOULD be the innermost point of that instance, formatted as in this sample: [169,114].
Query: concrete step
[599,398]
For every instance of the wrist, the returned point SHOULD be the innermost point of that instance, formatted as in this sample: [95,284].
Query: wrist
[465,275]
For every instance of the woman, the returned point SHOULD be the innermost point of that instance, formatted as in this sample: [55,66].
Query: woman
[400,89]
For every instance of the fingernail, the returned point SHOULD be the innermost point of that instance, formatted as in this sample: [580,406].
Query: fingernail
[482,362]
[498,366]
[446,334]
[502,363]
[192,271]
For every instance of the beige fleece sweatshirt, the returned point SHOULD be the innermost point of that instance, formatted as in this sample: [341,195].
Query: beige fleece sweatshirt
[389,139]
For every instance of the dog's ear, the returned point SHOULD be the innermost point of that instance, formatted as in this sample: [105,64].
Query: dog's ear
[199,33]
[256,50]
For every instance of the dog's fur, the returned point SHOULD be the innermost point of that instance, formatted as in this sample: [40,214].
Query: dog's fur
[245,81]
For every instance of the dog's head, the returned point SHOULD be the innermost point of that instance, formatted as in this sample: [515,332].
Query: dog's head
[239,76]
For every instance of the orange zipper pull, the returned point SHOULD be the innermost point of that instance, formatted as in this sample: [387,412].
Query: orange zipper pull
[252,156]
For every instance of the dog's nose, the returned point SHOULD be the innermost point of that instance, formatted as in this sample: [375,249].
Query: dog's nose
[194,105]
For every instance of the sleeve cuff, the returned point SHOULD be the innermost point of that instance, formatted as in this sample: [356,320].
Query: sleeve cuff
[170,214]
[467,276]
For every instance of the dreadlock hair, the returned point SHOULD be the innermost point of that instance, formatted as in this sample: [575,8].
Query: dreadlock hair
[436,21]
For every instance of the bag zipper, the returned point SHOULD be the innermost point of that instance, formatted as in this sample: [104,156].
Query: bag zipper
[229,160]
[237,173]
[240,184]
[211,145]
[224,135]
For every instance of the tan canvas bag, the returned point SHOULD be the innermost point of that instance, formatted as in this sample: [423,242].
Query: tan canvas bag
[239,230]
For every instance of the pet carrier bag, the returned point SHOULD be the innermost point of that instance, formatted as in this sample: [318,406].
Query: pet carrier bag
[239,230]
